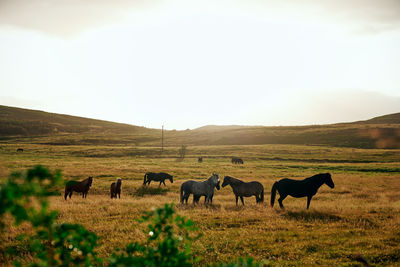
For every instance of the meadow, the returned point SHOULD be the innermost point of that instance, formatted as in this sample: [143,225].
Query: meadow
[360,216]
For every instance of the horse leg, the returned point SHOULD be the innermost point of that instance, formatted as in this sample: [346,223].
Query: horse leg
[241,198]
[237,198]
[160,184]
[281,198]
[66,194]
[70,194]
[164,183]
[308,201]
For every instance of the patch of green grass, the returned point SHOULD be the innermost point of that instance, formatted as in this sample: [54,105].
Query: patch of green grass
[146,190]
[312,216]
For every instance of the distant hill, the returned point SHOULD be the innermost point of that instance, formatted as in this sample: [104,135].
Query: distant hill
[57,129]
[386,119]
[26,122]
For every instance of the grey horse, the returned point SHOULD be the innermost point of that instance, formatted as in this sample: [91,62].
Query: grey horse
[199,189]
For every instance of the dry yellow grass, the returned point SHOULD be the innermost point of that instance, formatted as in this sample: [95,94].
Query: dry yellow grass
[359,216]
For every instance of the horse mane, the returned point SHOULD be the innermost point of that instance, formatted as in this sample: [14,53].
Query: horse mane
[234,181]
[319,176]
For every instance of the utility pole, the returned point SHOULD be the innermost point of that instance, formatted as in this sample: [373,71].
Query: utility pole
[162,139]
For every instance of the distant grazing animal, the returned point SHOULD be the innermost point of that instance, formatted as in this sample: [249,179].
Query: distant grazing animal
[20,150]
[158,177]
[360,258]
[300,188]
[80,187]
[242,189]
[198,189]
[237,160]
[116,189]
[200,160]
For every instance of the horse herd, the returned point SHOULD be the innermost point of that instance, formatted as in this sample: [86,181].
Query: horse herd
[285,187]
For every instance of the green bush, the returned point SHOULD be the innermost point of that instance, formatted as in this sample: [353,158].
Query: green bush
[51,244]
[164,247]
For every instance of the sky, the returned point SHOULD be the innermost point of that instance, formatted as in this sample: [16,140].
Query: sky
[185,64]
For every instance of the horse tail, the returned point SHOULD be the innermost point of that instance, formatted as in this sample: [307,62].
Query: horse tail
[273,193]
[66,192]
[144,180]
[181,195]
[262,195]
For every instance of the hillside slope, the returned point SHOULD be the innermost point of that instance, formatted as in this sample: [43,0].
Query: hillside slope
[57,129]
[25,122]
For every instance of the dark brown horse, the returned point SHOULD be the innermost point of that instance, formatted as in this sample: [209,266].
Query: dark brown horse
[236,160]
[116,189]
[303,188]
[200,160]
[158,177]
[242,189]
[80,187]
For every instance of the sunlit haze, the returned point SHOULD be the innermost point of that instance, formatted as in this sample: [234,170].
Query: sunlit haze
[186,64]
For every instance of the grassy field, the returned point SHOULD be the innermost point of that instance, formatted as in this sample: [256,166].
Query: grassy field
[361,215]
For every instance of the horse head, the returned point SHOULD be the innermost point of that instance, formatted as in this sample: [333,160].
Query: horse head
[215,180]
[226,181]
[119,182]
[90,180]
[328,180]
[171,178]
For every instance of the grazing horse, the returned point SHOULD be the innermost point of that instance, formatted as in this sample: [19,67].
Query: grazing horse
[200,160]
[237,160]
[20,150]
[158,177]
[242,189]
[303,188]
[198,189]
[116,189]
[81,187]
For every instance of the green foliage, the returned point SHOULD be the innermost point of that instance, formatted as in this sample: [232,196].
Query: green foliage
[51,244]
[164,247]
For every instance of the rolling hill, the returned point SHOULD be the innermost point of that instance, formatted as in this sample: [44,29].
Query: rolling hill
[58,129]
[26,122]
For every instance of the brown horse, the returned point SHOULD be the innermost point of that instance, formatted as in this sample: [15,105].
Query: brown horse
[116,189]
[80,187]
[242,189]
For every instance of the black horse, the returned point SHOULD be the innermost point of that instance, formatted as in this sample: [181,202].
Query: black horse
[158,177]
[116,189]
[200,160]
[80,187]
[242,189]
[303,188]
[237,160]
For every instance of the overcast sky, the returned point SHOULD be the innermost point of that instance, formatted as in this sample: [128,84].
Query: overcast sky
[186,63]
